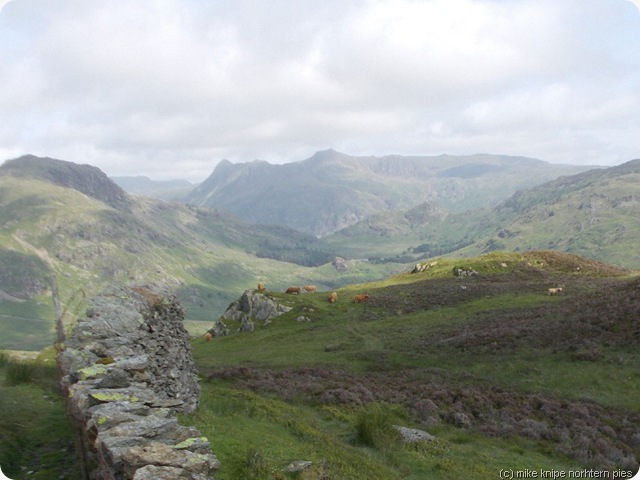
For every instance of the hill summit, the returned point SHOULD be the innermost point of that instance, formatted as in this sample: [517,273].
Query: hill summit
[86,179]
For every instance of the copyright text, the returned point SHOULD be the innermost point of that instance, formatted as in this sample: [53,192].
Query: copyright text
[510,474]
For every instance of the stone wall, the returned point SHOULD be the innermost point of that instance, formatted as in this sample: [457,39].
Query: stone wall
[126,370]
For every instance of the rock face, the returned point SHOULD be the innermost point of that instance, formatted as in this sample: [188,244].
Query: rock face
[252,307]
[126,371]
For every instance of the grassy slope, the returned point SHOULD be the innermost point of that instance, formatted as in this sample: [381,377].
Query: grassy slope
[544,381]
[598,218]
[593,214]
[204,256]
[36,439]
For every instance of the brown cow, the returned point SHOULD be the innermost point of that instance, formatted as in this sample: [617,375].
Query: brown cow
[363,297]
[261,287]
[333,297]
[295,290]
[310,288]
[207,336]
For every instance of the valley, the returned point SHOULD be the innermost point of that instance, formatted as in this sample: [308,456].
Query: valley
[470,348]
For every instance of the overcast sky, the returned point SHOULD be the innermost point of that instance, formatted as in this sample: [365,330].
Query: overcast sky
[167,88]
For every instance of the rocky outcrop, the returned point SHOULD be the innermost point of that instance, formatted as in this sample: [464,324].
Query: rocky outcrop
[340,264]
[252,307]
[126,371]
[421,267]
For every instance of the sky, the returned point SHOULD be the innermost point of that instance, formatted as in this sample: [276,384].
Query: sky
[168,88]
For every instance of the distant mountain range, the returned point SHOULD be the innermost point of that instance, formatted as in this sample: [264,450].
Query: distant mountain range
[332,190]
[71,220]
[162,189]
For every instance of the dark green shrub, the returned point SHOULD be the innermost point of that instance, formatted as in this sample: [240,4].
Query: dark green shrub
[374,426]
[256,467]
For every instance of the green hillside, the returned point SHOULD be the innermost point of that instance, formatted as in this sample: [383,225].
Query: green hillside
[89,233]
[504,375]
[594,214]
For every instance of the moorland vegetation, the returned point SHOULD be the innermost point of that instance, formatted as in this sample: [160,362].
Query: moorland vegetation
[500,372]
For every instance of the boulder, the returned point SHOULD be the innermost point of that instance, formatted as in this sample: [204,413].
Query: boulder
[413,435]
[252,307]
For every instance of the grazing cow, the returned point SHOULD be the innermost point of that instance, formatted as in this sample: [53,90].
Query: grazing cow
[555,291]
[310,288]
[295,290]
[361,298]
[261,287]
[207,336]
[333,297]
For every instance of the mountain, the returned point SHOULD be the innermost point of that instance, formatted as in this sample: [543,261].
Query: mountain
[164,190]
[84,178]
[68,220]
[332,190]
[594,213]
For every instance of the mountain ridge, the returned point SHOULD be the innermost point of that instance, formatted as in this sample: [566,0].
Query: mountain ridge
[162,189]
[332,190]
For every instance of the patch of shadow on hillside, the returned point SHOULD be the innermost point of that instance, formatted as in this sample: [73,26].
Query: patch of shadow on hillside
[604,313]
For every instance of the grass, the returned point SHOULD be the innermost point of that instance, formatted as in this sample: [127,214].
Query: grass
[257,436]
[36,438]
[26,326]
[543,382]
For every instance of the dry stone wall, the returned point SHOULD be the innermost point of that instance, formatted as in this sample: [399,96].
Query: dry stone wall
[126,371]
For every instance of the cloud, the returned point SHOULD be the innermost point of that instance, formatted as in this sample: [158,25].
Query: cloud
[167,88]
